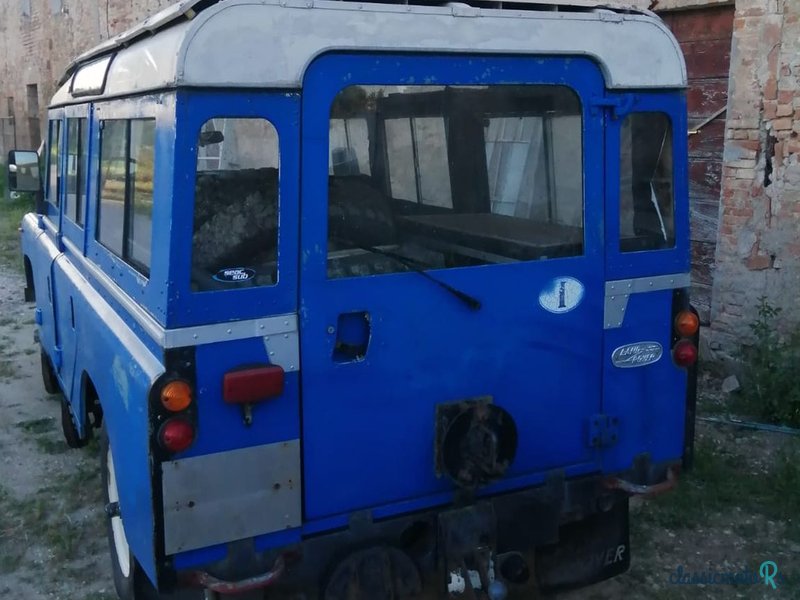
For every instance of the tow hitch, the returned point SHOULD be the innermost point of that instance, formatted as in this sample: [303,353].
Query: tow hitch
[215,586]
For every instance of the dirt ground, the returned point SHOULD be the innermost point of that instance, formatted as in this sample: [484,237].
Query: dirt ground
[739,507]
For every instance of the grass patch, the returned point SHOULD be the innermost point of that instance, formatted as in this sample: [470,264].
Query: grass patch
[11,213]
[720,483]
[55,518]
[49,445]
[770,377]
[42,425]
[7,369]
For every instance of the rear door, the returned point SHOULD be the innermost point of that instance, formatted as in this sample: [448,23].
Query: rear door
[485,174]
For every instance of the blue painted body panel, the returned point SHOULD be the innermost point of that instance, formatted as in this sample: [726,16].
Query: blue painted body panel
[192,111]
[650,401]
[366,421]
[367,427]
[122,370]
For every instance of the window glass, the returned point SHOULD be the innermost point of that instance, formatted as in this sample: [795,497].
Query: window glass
[235,238]
[647,205]
[453,176]
[140,205]
[126,189]
[111,208]
[77,149]
[54,176]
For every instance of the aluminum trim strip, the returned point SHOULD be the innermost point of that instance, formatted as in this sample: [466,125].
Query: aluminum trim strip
[618,292]
[207,502]
[285,347]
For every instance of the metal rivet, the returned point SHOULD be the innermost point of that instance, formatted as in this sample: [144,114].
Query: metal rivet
[229,331]
[261,326]
[291,367]
[272,353]
[331,329]
[194,336]
[612,297]
[286,322]
[285,336]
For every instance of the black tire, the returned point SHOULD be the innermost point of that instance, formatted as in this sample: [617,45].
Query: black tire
[129,580]
[68,427]
[49,378]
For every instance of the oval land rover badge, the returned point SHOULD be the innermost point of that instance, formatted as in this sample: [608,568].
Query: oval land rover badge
[234,275]
[637,355]
[561,295]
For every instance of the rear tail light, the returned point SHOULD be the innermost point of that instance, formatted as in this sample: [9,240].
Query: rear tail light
[684,353]
[176,434]
[176,396]
[686,323]
[246,386]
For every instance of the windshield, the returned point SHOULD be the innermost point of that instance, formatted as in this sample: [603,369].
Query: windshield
[453,176]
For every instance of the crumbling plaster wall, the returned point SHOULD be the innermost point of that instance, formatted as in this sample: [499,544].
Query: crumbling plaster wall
[758,243]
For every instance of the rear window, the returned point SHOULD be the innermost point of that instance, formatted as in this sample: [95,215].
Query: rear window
[440,177]
[235,237]
[647,203]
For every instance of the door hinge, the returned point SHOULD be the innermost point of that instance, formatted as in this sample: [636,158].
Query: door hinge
[603,431]
[618,106]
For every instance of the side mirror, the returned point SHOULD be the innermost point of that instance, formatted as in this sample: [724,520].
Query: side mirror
[23,171]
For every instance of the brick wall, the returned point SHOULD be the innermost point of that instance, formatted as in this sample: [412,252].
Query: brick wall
[758,244]
[38,38]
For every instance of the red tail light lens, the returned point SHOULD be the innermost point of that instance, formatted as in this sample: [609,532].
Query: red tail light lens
[684,353]
[246,386]
[687,323]
[176,435]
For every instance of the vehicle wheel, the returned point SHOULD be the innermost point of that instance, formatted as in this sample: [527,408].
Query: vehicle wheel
[68,427]
[49,378]
[129,580]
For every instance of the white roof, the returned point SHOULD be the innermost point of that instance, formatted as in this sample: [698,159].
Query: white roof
[269,43]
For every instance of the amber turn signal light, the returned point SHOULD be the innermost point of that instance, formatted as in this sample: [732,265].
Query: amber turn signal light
[686,323]
[176,396]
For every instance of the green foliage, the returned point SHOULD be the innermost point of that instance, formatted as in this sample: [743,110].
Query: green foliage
[718,483]
[11,213]
[770,370]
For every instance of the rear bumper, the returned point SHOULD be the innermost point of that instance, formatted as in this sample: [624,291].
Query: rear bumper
[565,533]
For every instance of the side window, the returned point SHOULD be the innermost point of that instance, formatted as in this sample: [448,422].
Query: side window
[647,203]
[125,209]
[235,237]
[140,193]
[53,176]
[77,156]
